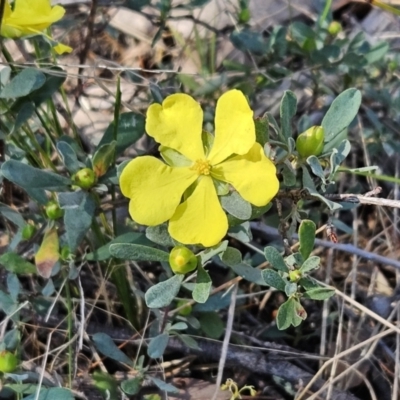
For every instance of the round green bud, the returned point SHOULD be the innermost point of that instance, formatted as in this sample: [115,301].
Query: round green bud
[311,142]
[185,310]
[28,231]
[53,210]
[85,178]
[65,253]
[393,66]
[244,16]
[8,361]
[182,260]
[334,28]
[294,275]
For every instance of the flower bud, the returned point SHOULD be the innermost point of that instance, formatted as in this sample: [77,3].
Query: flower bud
[311,142]
[8,361]
[186,310]
[295,275]
[85,178]
[28,231]
[65,253]
[53,210]
[334,28]
[182,260]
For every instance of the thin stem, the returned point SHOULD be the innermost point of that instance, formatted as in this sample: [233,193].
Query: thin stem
[70,333]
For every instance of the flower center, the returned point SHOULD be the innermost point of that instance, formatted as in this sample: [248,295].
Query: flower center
[202,167]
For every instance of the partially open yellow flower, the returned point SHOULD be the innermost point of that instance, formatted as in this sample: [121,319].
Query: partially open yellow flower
[158,192]
[31,17]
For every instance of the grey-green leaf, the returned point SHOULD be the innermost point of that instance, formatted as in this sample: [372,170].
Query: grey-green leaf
[310,264]
[202,287]
[316,168]
[212,324]
[290,313]
[319,293]
[209,253]
[159,234]
[52,393]
[249,273]
[167,387]
[103,252]
[130,129]
[235,205]
[79,209]
[341,113]
[69,157]
[25,82]
[289,176]
[275,259]
[158,345]
[248,40]
[287,111]
[137,252]
[163,293]
[273,279]
[306,237]
[106,346]
[33,178]
[231,256]
[290,288]
[14,216]
[132,386]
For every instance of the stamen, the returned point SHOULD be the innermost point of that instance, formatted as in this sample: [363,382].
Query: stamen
[202,167]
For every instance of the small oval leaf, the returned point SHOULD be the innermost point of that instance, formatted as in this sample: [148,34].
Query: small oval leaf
[162,294]
[25,82]
[273,279]
[202,286]
[158,345]
[106,346]
[310,264]
[138,252]
[275,259]
[306,237]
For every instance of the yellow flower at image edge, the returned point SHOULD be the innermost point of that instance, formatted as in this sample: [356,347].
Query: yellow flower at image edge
[155,189]
[31,17]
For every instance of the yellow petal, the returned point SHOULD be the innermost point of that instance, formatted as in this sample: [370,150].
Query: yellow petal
[200,219]
[155,189]
[177,123]
[30,17]
[234,127]
[7,10]
[62,48]
[253,175]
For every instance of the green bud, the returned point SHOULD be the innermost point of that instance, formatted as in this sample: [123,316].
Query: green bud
[53,210]
[311,142]
[334,28]
[244,16]
[65,253]
[182,260]
[28,231]
[294,275]
[8,361]
[85,178]
[185,310]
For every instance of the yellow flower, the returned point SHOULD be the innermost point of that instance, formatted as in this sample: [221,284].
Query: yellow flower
[159,192]
[31,17]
